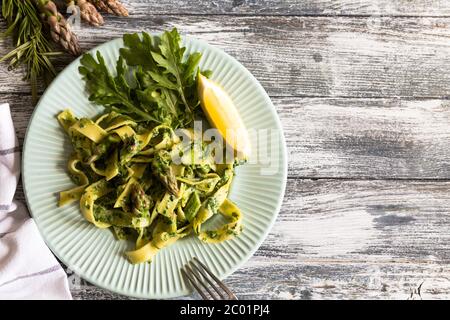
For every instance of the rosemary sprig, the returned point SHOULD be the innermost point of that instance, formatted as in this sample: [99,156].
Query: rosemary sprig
[32,49]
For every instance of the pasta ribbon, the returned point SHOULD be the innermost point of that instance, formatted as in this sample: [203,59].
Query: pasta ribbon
[89,129]
[90,195]
[148,251]
[100,172]
[121,199]
[124,132]
[138,170]
[66,119]
[112,165]
[127,179]
[74,194]
[210,206]
[143,254]
[168,139]
[205,185]
[230,211]
[114,120]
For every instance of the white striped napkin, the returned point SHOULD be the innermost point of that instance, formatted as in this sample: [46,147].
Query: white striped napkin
[28,270]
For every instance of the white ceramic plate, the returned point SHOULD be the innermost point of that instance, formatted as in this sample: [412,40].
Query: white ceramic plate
[94,254]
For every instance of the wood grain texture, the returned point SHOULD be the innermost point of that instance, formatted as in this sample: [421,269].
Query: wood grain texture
[318,279]
[308,56]
[367,138]
[344,239]
[348,138]
[362,90]
[330,229]
[291,7]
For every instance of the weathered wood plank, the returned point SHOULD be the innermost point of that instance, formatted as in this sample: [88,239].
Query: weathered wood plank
[321,280]
[362,221]
[354,239]
[333,235]
[309,56]
[142,8]
[338,239]
[367,138]
[348,138]
[138,8]
[333,238]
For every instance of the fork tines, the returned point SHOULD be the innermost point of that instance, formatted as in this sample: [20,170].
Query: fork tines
[204,281]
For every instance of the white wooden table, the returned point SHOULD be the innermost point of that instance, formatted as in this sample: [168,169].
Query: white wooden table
[362,89]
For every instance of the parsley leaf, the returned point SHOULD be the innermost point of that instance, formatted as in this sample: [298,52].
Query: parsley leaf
[104,89]
[154,81]
[137,51]
[177,75]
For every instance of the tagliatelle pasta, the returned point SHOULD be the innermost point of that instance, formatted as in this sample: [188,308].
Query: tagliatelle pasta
[127,181]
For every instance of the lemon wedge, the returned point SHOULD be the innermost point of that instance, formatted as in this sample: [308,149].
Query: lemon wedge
[223,115]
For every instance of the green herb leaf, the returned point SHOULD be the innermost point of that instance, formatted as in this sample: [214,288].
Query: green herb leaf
[32,49]
[171,59]
[154,80]
[137,51]
[109,91]
[163,81]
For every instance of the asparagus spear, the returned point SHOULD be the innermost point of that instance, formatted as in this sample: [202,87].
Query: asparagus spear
[59,28]
[31,50]
[88,12]
[163,171]
[141,203]
[110,6]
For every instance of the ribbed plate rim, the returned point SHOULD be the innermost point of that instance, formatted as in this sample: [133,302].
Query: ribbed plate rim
[262,237]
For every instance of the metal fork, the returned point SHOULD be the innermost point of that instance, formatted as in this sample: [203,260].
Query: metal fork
[202,279]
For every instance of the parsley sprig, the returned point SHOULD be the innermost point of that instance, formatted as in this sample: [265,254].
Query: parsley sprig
[154,79]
